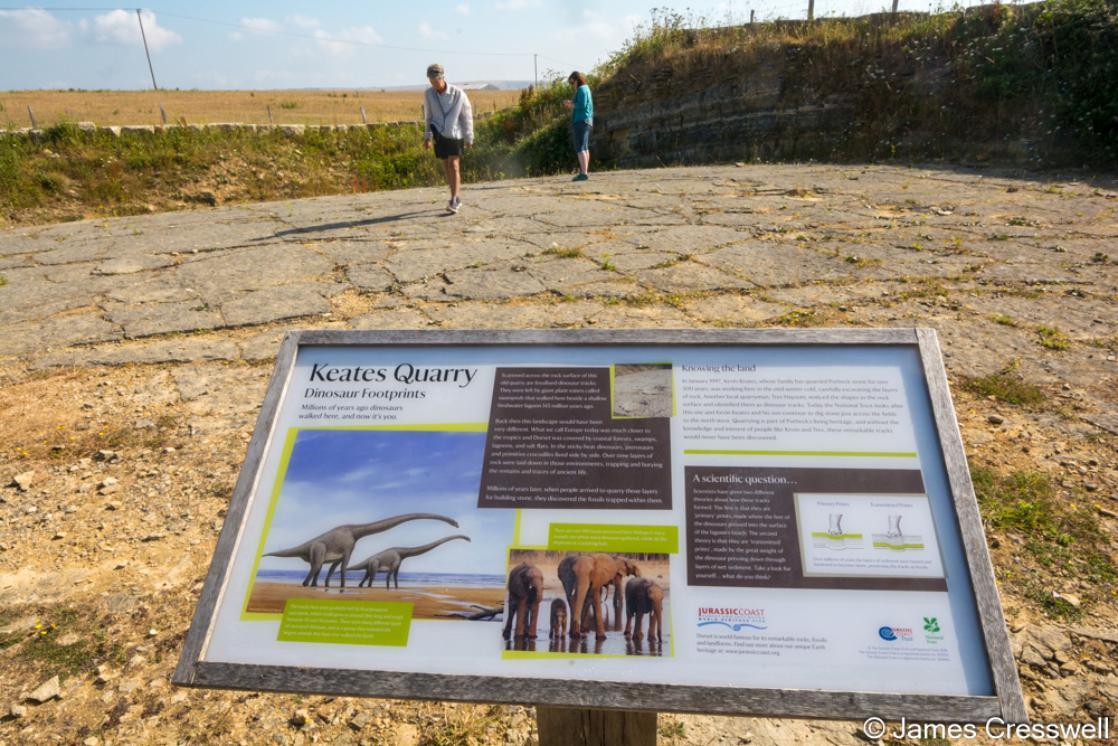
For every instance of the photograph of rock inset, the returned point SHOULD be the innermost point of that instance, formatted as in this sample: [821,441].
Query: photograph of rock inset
[384,516]
[643,390]
[623,597]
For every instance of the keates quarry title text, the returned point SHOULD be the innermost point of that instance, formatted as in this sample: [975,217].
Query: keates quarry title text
[403,373]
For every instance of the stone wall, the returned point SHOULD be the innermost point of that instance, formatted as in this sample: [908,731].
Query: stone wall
[292,130]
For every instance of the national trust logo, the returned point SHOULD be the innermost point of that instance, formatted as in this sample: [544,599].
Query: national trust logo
[933,633]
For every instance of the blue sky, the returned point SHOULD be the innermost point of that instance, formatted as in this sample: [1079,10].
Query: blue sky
[283,44]
[347,476]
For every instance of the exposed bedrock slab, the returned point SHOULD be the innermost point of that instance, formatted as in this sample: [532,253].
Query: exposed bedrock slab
[987,259]
[277,303]
[150,319]
[216,277]
[477,284]
[775,264]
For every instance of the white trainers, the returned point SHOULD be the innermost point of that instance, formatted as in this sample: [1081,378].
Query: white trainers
[453,205]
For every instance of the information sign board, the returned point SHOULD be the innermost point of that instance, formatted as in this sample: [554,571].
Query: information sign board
[773,522]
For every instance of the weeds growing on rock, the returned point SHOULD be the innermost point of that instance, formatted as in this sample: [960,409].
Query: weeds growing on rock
[564,253]
[1001,318]
[1007,386]
[797,317]
[1060,533]
[43,649]
[1052,338]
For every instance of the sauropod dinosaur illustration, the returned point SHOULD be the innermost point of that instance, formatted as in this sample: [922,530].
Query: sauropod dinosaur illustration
[390,559]
[583,577]
[558,618]
[525,594]
[336,545]
[644,596]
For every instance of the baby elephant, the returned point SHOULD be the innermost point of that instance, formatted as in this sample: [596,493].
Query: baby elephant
[644,596]
[558,618]
[525,594]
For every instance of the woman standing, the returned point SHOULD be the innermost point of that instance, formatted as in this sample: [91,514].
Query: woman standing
[582,118]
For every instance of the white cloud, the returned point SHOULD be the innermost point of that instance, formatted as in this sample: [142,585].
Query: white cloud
[121,27]
[341,44]
[506,5]
[302,21]
[462,9]
[32,27]
[260,25]
[427,32]
[592,25]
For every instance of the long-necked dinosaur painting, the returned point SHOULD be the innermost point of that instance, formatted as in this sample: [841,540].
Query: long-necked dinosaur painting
[336,545]
[390,559]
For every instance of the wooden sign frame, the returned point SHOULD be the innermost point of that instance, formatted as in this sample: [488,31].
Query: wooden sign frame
[1005,703]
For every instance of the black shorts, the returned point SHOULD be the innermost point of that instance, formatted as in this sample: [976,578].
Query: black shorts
[445,147]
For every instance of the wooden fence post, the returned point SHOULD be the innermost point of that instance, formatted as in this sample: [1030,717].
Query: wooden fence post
[569,726]
[34,124]
[811,10]
[364,119]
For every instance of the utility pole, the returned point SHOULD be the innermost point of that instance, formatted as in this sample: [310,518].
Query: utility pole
[536,69]
[895,7]
[146,52]
[752,16]
[811,10]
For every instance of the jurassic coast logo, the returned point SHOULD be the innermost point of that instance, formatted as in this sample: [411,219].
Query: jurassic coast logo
[893,634]
[734,618]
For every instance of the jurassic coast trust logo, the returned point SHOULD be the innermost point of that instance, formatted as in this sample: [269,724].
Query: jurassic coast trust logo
[734,618]
[893,634]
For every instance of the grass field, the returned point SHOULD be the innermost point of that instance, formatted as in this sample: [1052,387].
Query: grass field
[201,107]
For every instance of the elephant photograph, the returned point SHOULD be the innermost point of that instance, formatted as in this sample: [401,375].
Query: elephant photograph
[587,603]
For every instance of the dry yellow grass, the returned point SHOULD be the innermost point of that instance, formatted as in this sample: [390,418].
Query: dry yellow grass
[201,107]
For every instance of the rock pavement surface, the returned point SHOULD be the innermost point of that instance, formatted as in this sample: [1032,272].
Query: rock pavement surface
[134,353]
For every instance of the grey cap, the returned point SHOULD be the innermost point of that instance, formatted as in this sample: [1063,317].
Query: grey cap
[435,70]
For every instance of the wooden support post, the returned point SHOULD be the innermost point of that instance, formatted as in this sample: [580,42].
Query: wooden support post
[163,113]
[31,114]
[895,7]
[811,10]
[752,16]
[269,106]
[364,119]
[569,726]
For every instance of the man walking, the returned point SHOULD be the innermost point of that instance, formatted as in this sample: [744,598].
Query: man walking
[450,123]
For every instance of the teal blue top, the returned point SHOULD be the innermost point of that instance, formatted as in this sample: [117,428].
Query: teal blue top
[583,110]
